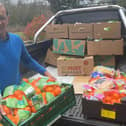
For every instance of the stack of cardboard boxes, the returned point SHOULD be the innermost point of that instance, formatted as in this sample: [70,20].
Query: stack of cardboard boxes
[78,47]
[106,43]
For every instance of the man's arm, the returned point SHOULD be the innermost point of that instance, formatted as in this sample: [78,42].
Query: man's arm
[32,64]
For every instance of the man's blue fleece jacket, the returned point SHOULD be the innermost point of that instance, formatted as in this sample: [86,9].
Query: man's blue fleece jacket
[12,53]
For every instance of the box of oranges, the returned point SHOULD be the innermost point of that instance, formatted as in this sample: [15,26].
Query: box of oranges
[36,102]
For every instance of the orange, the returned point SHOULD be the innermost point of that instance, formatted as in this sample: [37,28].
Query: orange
[27,108]
[15,111]
[19,94]
[49,88]
[15,119]
[30,102]
[115,95]
[57,91]
[26,80]
[6,109]
[33,109]
[50,80]
[53,93]
[108,98]
[44,97]
[1,124]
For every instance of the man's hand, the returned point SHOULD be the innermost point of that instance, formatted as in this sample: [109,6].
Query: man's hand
[49,75]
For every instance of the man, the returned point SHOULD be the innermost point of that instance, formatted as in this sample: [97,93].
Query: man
[12,53]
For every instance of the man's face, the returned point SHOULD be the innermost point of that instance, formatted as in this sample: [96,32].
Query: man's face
[3,20]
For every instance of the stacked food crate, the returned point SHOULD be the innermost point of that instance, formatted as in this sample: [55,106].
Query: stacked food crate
[31,104]
[106,43]
[89,44]
[71,48]
[105,95]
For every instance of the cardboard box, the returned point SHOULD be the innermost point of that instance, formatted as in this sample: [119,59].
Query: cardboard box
[80,31]
[104,61]
[78,83]
[105,47]
[51,58]
[57,31]
[106,30]
[88,65]
[70,47]
[75,66]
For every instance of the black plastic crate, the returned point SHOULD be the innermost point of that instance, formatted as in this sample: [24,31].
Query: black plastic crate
[74,117]
[107,112]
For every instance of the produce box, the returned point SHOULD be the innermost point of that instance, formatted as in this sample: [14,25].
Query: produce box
[70,47]
[80,31]
[51,58]
[107,30]
[109,112]
[75,66]
[104,61]
[57,31]
[105,47]
[49,112]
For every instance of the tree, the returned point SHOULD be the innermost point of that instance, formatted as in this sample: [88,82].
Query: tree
[122,3]
[57,5]
[33,26]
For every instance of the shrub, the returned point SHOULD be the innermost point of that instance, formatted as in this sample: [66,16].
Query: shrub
[33,26]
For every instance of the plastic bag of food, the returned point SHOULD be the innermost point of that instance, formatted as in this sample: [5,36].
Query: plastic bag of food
[23,115]
[9,90]
[106,71]
[120,84]
[42,83]
[36,99]
[14,102]
[28,90]
[104,83]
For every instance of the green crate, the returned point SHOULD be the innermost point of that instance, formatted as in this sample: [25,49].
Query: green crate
[49,112]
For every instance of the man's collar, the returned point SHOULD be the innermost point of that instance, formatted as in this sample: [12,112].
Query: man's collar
[6,38]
